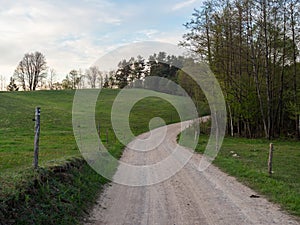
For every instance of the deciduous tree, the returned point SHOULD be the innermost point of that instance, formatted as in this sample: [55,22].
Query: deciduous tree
[31,70]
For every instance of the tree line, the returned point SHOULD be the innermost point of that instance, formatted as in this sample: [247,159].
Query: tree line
[164,70]
[32,73]
[165,73]
[252,46]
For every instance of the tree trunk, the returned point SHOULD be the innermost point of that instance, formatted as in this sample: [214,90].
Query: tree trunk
[297,119]
[255,74]
[267,72]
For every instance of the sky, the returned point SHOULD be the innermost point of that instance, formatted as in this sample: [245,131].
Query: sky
[74,34]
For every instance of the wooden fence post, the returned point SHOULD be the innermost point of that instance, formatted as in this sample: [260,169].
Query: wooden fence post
[36,137]
[270,159]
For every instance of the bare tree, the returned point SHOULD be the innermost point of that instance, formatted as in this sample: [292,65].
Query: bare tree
[51,78]
[100,80]
[81,83]
[2,83]
[92,74]
[31,70]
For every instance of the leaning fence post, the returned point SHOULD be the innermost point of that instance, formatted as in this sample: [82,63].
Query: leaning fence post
[36,137]
[270,159]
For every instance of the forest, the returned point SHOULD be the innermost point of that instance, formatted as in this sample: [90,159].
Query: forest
[252,47]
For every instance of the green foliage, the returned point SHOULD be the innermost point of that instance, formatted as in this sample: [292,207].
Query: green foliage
[12,85]
[251,47]
[67,83]
[124,73]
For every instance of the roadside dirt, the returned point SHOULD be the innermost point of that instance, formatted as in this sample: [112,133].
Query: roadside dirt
[189,197]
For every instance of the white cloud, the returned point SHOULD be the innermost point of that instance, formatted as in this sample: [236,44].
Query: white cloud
[57,30]
[183,4]
[75,33]
[148,33]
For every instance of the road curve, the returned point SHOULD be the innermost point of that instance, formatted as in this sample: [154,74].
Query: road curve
[189,197]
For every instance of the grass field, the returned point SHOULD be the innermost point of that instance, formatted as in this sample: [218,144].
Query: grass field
[57,140]
[57,145]
[246,159]
[22,190]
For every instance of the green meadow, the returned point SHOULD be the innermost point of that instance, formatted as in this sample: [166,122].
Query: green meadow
[245,159]
[58,192]
[57,142]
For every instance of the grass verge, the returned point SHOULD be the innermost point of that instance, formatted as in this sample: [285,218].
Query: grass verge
[56,195]
[246,159]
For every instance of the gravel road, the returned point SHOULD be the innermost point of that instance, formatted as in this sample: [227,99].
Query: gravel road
[189,197]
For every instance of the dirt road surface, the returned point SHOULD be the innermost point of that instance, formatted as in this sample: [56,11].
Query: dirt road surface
[190,197]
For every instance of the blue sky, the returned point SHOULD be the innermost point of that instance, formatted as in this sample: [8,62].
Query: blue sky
[74,34]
